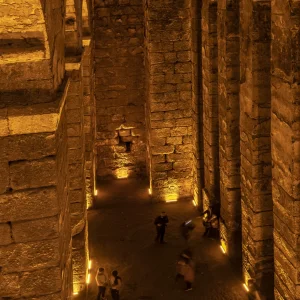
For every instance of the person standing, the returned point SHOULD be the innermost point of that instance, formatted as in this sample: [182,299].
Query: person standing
[115,283]
[101,280]
[161,223]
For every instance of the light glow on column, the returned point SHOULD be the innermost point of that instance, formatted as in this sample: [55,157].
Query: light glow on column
[246,287]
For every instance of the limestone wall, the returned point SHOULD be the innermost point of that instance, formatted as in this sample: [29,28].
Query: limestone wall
[119,88]
[229,110]
[255,108]
[285,146]
[35,244]
[168,45]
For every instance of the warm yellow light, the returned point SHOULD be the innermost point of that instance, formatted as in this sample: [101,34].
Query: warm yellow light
[122,173]
[75,293]
[171,197]
[150,192]
[90,264]
[223,250]
[96,192]
[88,278]
[195,203]
[171,200]
[246,288]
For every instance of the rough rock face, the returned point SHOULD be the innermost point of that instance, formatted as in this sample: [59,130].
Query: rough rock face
[119,88]
[169,98]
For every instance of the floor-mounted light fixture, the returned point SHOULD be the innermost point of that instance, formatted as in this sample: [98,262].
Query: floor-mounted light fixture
[88,278]
[96,192]
[246,287]
[194,202]
[222,248]
[149,191]
[90,264]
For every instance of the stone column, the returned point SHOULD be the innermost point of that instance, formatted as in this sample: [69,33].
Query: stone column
[210,102]
[285,141]
[197,137]
[168,49]
[89,121]
[229,109]
[35,243]
[76,165]
[255,114]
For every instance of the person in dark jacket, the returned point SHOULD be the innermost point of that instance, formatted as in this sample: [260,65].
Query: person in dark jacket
[161,223]
[115,283]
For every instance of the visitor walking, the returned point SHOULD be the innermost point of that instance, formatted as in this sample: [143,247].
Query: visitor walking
[161,224]
[101,280]
[115,283]
[186,229]
[185,268]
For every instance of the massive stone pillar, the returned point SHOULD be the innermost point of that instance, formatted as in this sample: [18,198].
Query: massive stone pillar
[210,102]
[119,88]
[169,101]
[285,141]
[35,243]
[197,109]
[229,109]
[255,108]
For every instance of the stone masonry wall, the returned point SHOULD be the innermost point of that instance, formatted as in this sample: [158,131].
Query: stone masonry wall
[210,101]
[35,244]
[229,154]
[119,88]
[197,136]
[255,115]
[168,50]
[285,141]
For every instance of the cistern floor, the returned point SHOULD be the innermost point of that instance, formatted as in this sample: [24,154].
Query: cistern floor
[121,237]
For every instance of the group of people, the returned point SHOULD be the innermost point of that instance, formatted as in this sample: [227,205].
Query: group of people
[114,282]
[185,266]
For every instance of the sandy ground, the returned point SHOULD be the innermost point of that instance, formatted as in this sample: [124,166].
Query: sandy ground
[121,235]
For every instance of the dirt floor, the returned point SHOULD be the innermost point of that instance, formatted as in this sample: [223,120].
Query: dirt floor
[121,237]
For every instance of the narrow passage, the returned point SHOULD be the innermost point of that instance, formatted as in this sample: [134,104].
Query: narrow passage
[121,237]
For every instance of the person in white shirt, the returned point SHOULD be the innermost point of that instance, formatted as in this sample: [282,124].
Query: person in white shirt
[102,282]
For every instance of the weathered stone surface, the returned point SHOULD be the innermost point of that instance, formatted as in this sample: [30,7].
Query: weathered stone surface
[27,205]
[5,233]
[40,282]
[29,256]
[35,230]
[9,285]
[32,174]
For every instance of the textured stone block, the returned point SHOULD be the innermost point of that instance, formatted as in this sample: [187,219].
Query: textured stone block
[9,285]
[30,256]
[4,179]
[162,149]
[30,204]
[40,282]
[32,174]
[5,234]
[35,230]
